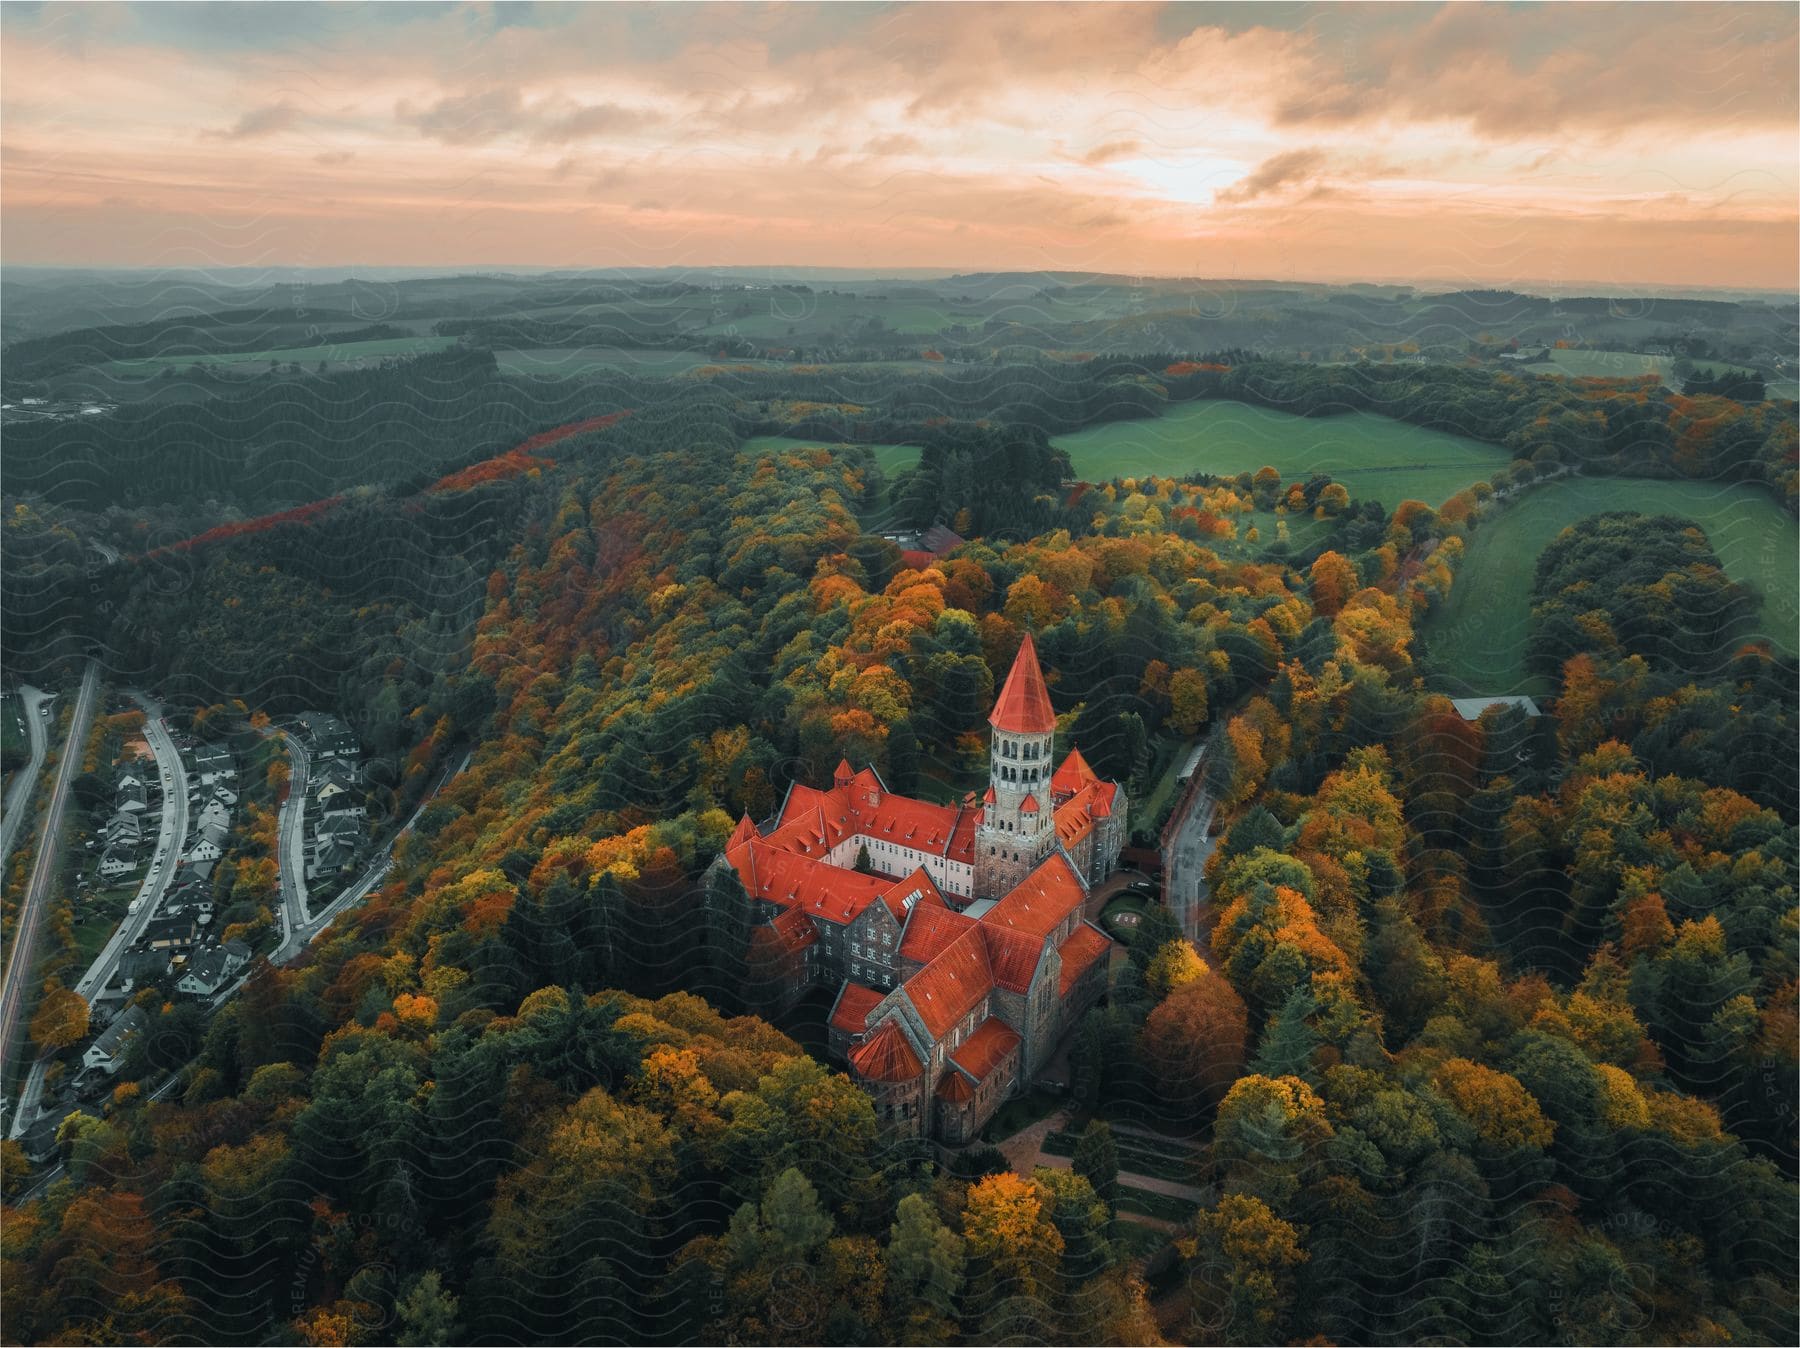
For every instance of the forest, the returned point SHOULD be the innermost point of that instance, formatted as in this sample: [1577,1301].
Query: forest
[1489,1034]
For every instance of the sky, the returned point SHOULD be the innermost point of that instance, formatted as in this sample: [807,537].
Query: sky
[1487,144]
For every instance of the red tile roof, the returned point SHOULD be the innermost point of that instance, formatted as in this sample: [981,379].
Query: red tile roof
[804,883]
[955,1087]
[814,822]
[986,1049]
[929,930]
[918,888]
[949,987]
[1024,703]
[915,560]
[1012,955]
[1040,902]
[1075,816]
[743,833]
[886,1056]
[1071,775]
[795,929]
[851,1014]
[1029,805]
[1085,945]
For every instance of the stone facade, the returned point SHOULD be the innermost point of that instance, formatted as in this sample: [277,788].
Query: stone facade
[961,956]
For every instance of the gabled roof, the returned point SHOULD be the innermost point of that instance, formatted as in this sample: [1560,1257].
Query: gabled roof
[744,832]
[886,1056]
[1024,703]
[949,987]
[813,822]
[1013,956]
[113,1038]
[986,1049]
[1072,774]
[794,929]
[1029,805]
[1075,816]
[909,892]
[854,1002]
[1085,945]
[1039,903]
[929,930]
[941,539]
[806,883]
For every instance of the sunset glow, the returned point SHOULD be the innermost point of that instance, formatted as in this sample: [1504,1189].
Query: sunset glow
[1647,145]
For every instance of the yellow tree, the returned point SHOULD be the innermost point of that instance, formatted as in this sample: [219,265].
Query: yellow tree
[61,1018]
[1333,581]
[1187,701]
[1012,1243]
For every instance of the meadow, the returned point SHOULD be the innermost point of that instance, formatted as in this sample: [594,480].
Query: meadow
[1374,456]
[1630,364]
[335,355]
[1477,639]
[579,360]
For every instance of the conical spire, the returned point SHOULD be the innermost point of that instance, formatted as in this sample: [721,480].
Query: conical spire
[1024,704]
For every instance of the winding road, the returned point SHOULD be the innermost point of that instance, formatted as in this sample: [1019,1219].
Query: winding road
[1187,846]
[290,839]
[298,938]
[21,962]
[163,861]
[24,781]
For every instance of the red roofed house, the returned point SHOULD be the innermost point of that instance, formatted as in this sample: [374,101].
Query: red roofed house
[941,1013]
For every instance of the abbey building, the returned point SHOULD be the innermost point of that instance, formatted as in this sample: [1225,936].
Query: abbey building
[960,953]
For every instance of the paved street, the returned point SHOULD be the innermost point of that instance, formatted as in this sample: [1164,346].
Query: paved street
[169,840]
[23,782]
[1185,856]
[21,963]
[298,938]
[291,838]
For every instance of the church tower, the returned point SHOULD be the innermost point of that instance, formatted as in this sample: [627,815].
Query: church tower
[1018,822]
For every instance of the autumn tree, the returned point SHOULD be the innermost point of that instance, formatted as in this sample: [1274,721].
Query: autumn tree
[1242,1259]
[1194,1043]
[61,1018]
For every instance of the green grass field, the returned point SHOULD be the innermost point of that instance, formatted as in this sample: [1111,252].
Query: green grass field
[1606,364]
[1478,638]
[1629,364]
[580,360]
[340,354]
[1374,456]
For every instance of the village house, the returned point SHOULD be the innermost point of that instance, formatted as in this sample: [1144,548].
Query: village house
[327,737]
[118,860]
[171,934]
[109,1049]
[213,764]
[961,954]
[212,968]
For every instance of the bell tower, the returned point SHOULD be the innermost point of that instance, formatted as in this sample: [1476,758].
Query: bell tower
[1018,822]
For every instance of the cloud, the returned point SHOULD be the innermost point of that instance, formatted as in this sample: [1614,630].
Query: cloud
[1288,169]
[595,119]
[1113,149]
[259,122]
[493,114]
[467,119]
[895,143]
[334,157]
[1604,68]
